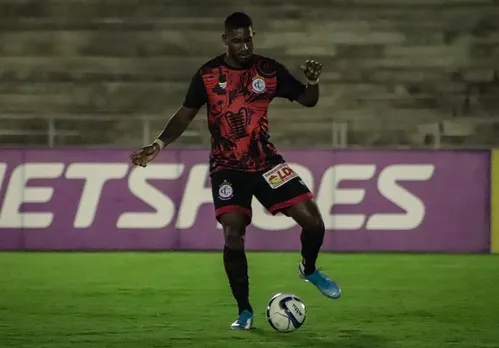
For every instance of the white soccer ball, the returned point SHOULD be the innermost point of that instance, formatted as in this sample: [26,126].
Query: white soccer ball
[286,312]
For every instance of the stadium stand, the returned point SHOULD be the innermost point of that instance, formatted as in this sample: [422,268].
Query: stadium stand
[394,71]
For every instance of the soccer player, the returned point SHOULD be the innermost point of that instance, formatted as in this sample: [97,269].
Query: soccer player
[238,87]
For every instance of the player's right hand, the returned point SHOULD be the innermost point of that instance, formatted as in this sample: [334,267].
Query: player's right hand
[145,154]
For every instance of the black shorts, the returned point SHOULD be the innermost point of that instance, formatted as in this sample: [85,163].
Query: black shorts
[276,189]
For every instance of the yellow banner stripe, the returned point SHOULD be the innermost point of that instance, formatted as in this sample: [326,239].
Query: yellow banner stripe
[494,203]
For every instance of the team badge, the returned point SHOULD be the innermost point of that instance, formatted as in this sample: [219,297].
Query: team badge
[225,191]
[258,84]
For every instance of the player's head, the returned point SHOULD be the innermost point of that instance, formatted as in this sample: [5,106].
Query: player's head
[238,36]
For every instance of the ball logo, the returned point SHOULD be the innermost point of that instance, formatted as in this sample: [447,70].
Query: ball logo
[297,310]
[225,191]
[258,85]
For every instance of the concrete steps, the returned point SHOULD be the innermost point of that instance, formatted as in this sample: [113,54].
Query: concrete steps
[395,63]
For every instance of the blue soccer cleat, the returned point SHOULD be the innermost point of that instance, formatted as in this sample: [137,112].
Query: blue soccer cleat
[325,285]
[244,322]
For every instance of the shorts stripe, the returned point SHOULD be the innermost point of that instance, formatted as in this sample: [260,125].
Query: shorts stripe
[274,209]
[232,209]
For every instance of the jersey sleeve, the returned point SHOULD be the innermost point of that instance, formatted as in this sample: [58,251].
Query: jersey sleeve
[196,95]
[287,85]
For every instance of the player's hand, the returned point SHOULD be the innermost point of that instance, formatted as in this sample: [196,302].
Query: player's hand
[145,154]
[312,70]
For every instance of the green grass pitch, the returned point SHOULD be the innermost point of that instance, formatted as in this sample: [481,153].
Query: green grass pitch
[141,300]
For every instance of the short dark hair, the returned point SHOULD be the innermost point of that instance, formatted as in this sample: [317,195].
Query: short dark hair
[237,20]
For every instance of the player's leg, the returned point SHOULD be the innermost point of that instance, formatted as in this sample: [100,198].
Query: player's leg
[307,215]
[232,199]
[236,265]
[282,191]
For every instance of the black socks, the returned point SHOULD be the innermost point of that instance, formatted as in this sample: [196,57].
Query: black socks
[236,267]
[310,245]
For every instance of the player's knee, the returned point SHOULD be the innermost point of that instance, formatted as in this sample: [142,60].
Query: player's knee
[313,221]
[233,237]
[234,241]
[234,229]
[315,224]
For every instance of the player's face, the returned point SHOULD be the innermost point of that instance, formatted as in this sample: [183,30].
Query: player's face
[240,44]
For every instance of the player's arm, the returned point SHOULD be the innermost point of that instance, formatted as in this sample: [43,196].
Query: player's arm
[289,87]
[310,95]
[196,97]
[176,126]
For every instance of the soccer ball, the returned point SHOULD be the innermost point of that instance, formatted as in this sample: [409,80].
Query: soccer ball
[286,312]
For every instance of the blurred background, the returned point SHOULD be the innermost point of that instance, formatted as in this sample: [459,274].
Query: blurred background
[398,74]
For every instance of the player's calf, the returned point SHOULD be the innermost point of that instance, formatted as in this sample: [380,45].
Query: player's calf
[235,262]
[312,237]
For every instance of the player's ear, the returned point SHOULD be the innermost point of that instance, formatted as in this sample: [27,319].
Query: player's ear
[225,39]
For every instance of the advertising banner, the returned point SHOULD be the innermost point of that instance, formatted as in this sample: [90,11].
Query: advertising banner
[418,201]
[494,203]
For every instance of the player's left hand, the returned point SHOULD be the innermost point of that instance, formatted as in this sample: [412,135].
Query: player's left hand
[312,70]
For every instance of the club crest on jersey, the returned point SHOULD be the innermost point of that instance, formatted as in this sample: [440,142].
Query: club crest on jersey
[258,84]
[225,191]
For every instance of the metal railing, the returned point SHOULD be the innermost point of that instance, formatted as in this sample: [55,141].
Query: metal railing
[47,130]
[17,127]
[48,127]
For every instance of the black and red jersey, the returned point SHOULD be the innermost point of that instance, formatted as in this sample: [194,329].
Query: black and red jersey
[237,103]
